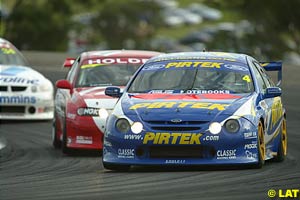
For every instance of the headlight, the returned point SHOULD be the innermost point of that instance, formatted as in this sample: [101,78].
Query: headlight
[122,125]
[41,88]
[103,113]
[137,127]
[215,128]
[232,125]
[44,88]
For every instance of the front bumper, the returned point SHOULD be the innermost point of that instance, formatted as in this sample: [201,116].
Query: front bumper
[37,106]
[84,133]
[181,148]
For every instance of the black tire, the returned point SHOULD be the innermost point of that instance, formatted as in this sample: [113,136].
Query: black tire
[64,147]
[55,141]
[261,146]
[282,147]
[116,167]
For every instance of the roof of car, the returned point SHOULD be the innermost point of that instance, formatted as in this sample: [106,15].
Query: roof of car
[234,57]
[4,41]
[119,53]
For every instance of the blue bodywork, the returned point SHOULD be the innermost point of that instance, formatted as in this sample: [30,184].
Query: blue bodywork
[176,124]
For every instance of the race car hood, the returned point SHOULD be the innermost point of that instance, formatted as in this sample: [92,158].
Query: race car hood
[20,75]
[94,97]
[183,106]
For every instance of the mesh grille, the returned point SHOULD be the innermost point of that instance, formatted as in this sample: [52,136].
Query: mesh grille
[181,152]
[12,109]
[3,88]
[176,126]
[18,88]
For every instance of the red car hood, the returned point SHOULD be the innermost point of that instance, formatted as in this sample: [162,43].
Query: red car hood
[95,97]
[92,93]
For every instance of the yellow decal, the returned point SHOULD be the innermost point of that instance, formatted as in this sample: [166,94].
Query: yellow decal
[8,51]
[264,64]
[196,105]
[276,111]
[172,138]
[194,64]
[247,78]
[91,65]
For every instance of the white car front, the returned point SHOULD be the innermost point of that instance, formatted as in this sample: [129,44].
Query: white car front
[24,92]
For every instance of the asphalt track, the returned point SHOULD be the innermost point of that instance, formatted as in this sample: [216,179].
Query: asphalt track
[31,169]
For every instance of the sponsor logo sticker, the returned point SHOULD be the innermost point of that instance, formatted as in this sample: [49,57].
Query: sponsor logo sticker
[194,105]
[17,99]
[175,161]
[133,137]
[211,138]
[250,135]
[84,140]
[250,146]
[236,67]
[18,80]
[206,91]
[226,154]
[250,155]
[125,153]
[172,138]
[193,64]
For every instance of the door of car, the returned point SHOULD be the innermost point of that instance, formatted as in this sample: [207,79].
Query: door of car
[272,107]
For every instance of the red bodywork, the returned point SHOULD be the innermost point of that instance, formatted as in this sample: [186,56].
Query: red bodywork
[86,132]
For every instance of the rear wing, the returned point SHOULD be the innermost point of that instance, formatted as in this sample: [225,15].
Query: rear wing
[274,66]
[69,62]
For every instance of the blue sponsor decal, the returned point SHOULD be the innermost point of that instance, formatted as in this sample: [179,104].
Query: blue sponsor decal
[9,75]
[154,67]
[17,99]
[12,71]
[194,64]
[18,80]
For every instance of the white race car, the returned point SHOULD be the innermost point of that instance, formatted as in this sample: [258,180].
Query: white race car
[24,92]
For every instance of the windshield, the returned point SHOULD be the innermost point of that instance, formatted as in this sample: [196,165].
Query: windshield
[105,75]
[10,56]
[186,76]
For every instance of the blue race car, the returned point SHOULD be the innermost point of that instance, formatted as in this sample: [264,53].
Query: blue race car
[197,108]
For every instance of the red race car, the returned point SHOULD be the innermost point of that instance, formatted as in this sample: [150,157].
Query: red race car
[81,107]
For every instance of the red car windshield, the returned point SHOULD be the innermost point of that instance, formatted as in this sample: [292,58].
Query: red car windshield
[105,75]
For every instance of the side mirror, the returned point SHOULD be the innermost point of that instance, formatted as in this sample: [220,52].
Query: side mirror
[113,92]
[69,62]
[272,92]
[63,84]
